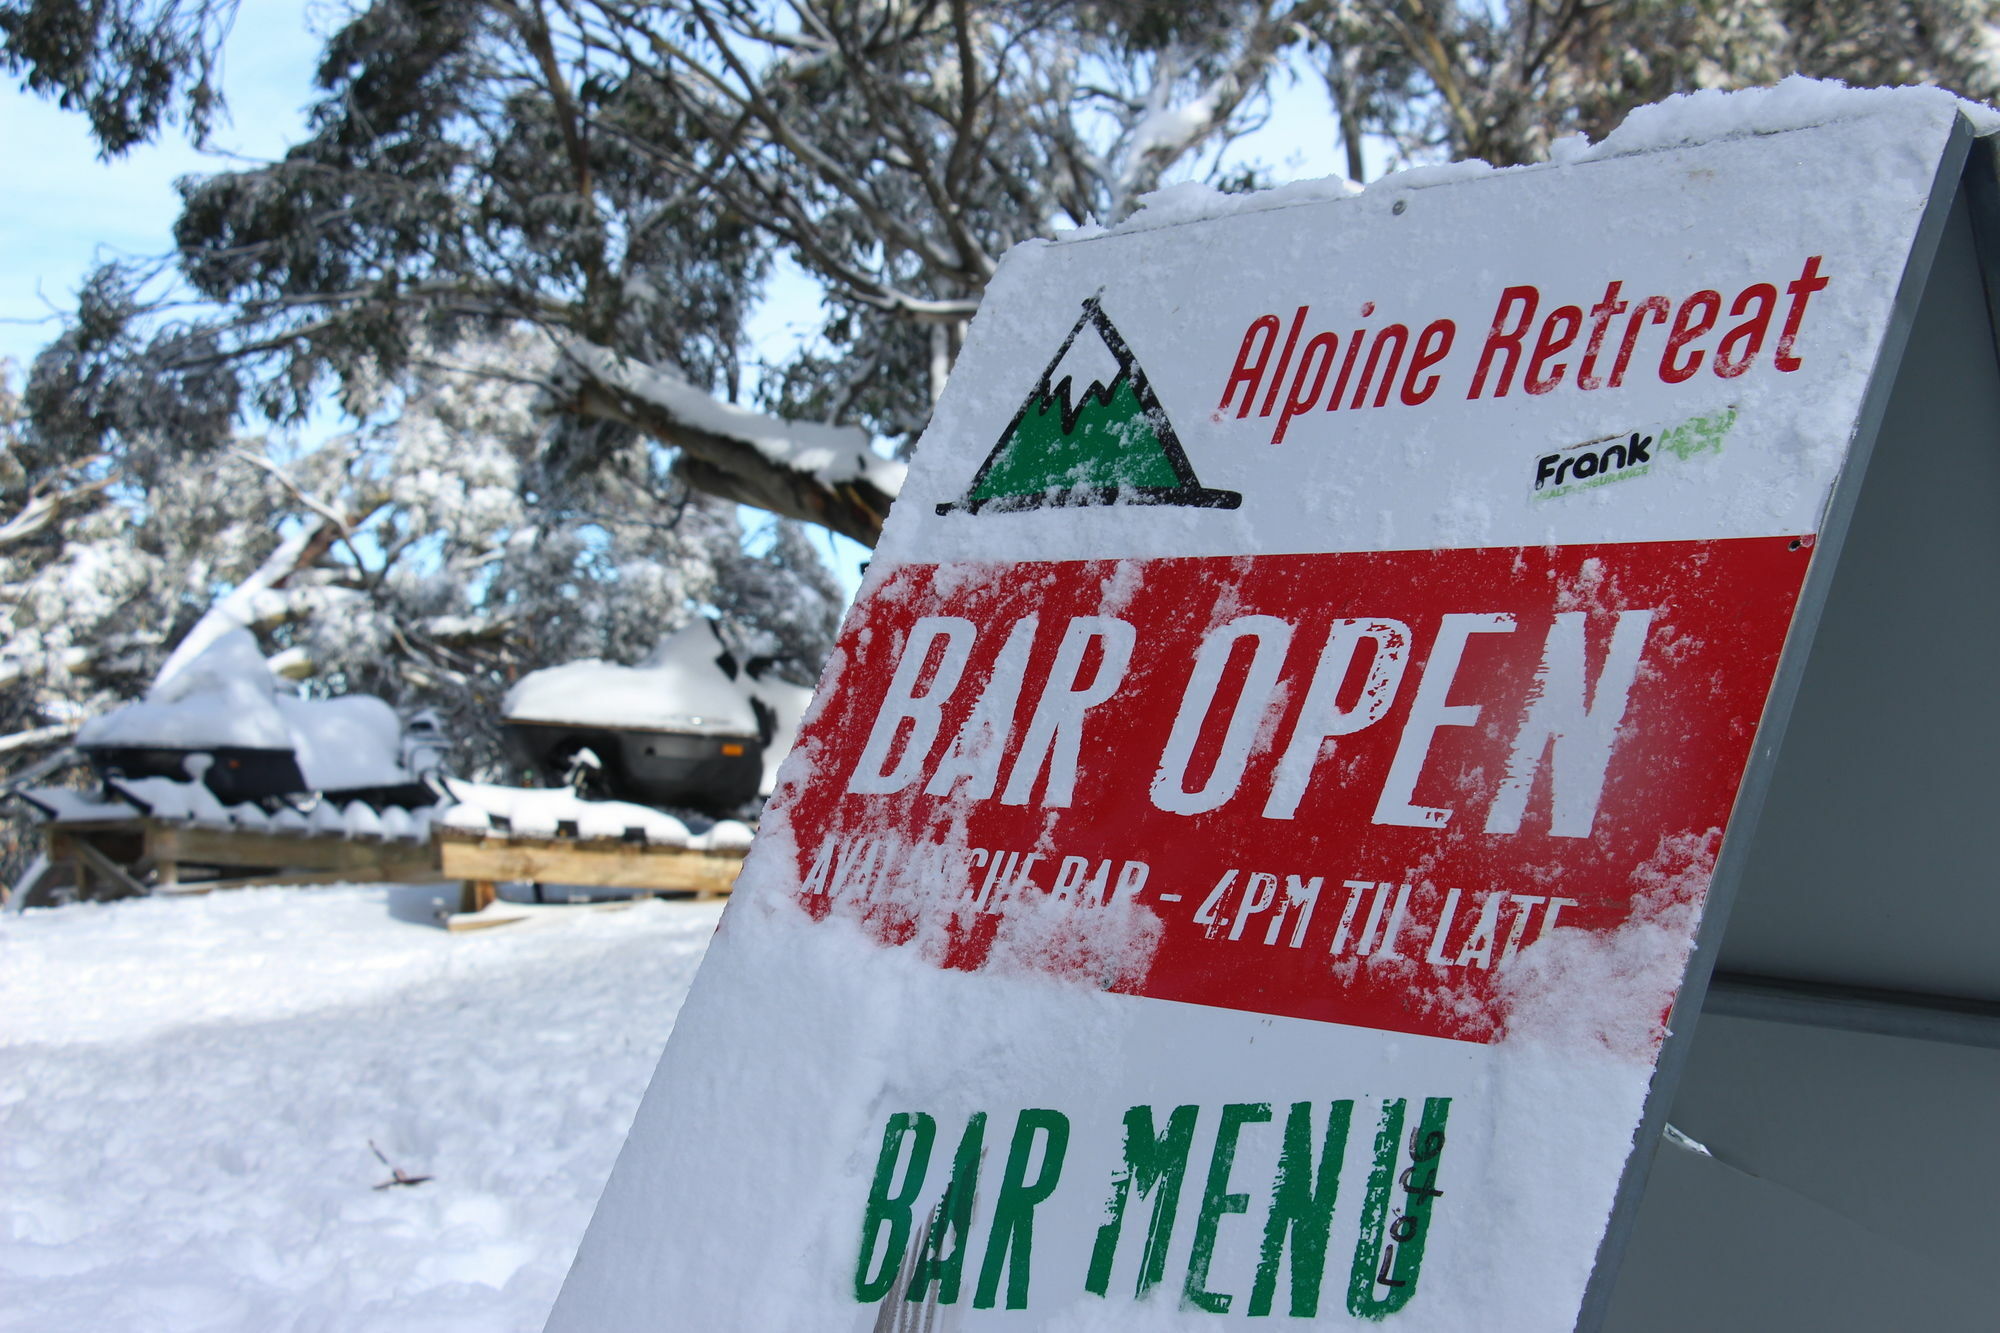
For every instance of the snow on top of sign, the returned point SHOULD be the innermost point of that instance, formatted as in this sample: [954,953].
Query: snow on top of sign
[1195,201]
[1794,103]
[679,685]
[1683,119]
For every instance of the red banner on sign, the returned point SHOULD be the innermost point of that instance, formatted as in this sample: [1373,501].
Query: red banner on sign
[1343,787]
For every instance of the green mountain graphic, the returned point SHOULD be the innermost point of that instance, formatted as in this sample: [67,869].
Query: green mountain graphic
[1090,433]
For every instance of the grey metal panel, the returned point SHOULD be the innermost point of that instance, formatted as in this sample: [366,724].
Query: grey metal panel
[1875,861]
[1849,1189]
[1871,869]
[1913,290]
[1856,1009]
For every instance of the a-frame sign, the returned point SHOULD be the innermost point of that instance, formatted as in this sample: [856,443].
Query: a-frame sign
[1290,786]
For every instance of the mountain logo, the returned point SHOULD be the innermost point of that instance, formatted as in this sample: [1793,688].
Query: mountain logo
[1091,433]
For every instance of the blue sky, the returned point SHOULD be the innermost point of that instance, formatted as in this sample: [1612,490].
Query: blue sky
[66,209]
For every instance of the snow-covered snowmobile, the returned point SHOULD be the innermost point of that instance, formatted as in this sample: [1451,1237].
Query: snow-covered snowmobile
[222,721]
[688,727]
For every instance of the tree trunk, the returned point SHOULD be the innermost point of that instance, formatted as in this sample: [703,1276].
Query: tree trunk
[820,474]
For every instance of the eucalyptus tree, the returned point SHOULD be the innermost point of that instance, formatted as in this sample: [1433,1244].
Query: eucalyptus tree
[622,176]
[1499,81]
[580,203]
[424,558]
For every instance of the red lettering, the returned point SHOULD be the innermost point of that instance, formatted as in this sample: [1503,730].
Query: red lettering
[1749,335]
[1801,290]
[1433,345]
[1401,335]
[1346,368]
[1601,316]
[1323,347]
[1548,344]
[1248,373]
[1284,363]
[1503,339]
[1685,331]
[1652,310]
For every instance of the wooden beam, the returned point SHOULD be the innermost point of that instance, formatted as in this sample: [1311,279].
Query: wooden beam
[512,914]
[602,863]
[477,895]
[193,888]
[339,857]
[32,886]
[105,866]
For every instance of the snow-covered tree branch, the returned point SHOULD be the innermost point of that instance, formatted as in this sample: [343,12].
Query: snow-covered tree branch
[804,470]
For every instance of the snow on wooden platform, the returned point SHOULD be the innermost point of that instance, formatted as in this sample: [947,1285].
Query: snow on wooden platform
[523,812]
[192,803]
[136,837]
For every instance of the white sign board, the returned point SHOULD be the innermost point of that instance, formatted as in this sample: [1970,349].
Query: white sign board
[1255,823]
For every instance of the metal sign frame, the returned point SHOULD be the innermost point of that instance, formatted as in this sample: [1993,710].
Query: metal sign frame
[1881,538]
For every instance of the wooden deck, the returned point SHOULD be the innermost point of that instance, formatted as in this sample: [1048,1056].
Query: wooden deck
[106,859]
[121,858]
[283,858]
[483,860]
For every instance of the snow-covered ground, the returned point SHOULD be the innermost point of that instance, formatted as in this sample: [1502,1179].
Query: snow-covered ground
[188,1090]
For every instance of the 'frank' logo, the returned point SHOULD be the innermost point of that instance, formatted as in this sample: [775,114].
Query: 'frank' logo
[1612,461]
[1611,458]
[1091,433]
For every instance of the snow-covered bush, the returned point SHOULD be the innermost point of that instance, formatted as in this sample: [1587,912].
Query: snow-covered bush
[430,558]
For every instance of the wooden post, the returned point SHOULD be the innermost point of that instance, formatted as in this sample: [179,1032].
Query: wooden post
[113,874]
[164,847]
[476,896]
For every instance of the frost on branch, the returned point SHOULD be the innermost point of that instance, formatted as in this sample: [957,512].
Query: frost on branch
[797,469]
[429,559]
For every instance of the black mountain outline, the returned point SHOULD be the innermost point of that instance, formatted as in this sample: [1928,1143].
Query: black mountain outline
[1189,492]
